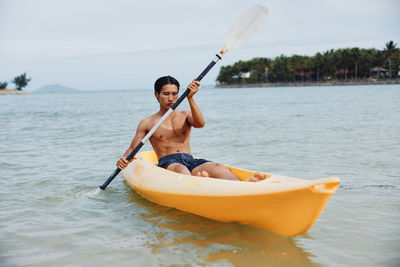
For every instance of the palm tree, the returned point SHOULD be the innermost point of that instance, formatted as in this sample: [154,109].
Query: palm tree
[325,66]
[318,59]
[356,57]
[389,52]
[3,85]
[21,81]
[346,60]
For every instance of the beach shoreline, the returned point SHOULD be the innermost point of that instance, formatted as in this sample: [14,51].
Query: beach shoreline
[324,83]
[13,92]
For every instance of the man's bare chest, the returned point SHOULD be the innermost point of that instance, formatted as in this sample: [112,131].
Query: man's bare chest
[172,129]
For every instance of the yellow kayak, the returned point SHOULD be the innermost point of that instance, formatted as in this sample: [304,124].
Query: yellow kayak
[282,205]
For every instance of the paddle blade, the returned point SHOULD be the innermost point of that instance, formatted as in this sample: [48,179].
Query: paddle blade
[245,27]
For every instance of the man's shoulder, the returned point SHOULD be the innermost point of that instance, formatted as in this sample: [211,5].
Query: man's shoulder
[184,112]
[150,119]
[147,122]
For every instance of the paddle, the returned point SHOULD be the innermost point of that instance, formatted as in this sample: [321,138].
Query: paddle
[238,34]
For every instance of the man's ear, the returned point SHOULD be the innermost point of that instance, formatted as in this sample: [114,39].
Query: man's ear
[156,95]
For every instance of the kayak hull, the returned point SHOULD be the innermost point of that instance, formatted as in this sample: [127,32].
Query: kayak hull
[282,205]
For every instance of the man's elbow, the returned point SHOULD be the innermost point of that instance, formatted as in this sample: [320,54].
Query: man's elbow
[199,124]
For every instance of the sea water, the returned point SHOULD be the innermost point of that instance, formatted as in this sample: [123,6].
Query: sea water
[56,149]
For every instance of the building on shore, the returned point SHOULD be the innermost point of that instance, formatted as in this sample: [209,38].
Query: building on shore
[378,72]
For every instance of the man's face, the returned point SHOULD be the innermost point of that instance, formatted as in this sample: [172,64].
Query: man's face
[168,95]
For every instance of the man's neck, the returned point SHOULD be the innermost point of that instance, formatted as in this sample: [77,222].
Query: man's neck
[162,111]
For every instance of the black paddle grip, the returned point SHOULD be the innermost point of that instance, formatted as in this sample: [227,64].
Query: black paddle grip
[109,180]
[201,76]
[118,170]
[207,69]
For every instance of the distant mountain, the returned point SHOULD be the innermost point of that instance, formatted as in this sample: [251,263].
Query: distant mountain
[55,88]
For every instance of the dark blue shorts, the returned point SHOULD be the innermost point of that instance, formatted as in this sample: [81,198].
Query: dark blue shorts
[182,158]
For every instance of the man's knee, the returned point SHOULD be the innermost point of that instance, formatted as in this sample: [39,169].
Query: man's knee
[177,167]
[219,165]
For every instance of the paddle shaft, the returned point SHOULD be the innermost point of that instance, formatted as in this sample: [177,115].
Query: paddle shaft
[155,127]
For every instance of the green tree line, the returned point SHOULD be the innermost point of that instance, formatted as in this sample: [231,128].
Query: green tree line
[20,82]
[341,64]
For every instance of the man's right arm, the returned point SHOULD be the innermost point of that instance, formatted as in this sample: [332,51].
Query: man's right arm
[141,131]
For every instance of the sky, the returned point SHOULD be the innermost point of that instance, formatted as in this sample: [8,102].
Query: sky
[128,44]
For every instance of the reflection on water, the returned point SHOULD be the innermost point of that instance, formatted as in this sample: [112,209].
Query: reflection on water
[232,243]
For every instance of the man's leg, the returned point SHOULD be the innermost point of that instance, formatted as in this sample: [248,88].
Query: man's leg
[214,170]
[179,168]
[219,171]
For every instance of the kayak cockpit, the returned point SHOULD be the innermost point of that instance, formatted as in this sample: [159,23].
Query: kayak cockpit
[242,174]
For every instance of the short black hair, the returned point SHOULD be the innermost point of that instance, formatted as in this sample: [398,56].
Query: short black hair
[163,81]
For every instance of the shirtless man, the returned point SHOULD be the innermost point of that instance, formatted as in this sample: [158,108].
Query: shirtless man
[171,141]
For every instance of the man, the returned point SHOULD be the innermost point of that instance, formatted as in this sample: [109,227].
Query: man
[171,141]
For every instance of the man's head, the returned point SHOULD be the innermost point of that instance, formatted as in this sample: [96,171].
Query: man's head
[163,81]
[166,91]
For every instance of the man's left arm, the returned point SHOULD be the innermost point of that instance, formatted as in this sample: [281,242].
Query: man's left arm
[195,117]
